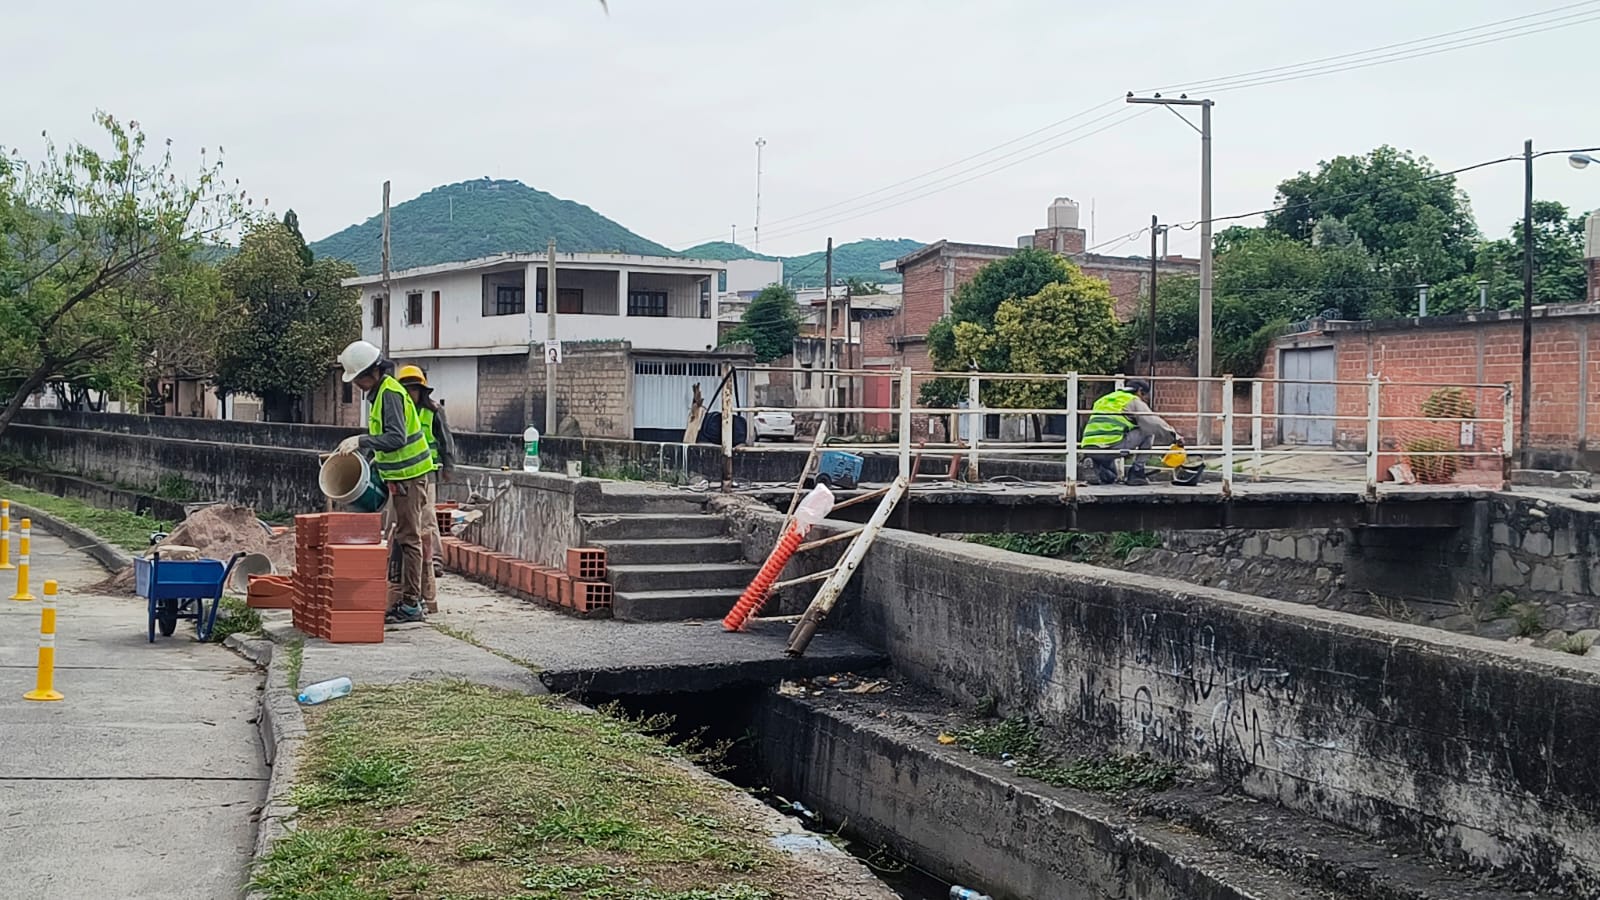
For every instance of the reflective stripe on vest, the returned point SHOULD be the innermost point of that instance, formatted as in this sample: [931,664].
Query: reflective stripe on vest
[412,460]
[1106,424]
[425,417]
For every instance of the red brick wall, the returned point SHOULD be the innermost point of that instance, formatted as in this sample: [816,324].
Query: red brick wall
[921,296]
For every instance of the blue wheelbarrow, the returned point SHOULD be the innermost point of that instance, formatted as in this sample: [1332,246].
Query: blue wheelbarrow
[179,589]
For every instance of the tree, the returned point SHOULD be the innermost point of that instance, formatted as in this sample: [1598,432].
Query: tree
[1022,274]
[770,324]
[859,288]
[1558,272]
[292,222]
[290,321]
[91,244]
[1416,224]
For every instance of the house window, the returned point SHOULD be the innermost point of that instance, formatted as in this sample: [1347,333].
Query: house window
[414,308]
[569,301]
[805,376]
[647,303]
[345,395]
[377,312]
[509,300]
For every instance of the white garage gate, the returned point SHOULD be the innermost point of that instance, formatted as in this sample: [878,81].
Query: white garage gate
[663,390]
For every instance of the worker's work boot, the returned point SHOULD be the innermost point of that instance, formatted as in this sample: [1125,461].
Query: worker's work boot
[1136,476]
[1105,470]
[404,613]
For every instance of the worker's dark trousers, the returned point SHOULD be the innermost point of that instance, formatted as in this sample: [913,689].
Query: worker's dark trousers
[408,506]
[1105,461]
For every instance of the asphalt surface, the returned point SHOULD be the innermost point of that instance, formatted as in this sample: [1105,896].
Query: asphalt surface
[145,780]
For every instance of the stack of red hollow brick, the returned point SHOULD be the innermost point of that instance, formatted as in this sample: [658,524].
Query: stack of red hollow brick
[580,587]
[340,577]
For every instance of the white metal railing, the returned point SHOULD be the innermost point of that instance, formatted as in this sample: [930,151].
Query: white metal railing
[1372,424]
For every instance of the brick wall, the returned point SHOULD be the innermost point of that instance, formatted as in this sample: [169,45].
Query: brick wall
[593,389]
[1469,350]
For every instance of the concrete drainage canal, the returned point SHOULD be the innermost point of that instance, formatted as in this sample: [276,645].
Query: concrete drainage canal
[926,798]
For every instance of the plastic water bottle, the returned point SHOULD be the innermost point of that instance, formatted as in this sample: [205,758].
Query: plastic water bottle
[530,450]
[813,509]
[323,691]
[957,892]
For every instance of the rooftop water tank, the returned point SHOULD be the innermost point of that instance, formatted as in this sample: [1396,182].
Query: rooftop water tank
[1064,213]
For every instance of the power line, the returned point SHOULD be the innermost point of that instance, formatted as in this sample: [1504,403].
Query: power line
[1421,47]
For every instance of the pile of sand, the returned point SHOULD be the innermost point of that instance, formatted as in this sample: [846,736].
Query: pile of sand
[218,532]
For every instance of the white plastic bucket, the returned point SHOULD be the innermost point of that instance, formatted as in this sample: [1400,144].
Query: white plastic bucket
[249,564]
[346,478]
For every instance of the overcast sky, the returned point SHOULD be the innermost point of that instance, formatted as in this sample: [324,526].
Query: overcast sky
[650,115]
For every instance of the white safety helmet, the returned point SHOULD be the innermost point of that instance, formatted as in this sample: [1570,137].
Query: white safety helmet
[357,358]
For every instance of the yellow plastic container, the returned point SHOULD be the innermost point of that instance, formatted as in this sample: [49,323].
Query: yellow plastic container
[1176,456]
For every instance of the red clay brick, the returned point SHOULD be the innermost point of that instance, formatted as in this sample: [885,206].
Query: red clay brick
[356,560]
[359,594]
[591,598]
[586,563]
[355,627]
[353,528]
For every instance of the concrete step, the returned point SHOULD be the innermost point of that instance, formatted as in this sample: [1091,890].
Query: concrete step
[660,551]
[637,526]
[681,577]
[672,606]
[625,498]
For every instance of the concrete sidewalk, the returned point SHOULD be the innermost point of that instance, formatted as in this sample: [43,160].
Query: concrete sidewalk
[145,780]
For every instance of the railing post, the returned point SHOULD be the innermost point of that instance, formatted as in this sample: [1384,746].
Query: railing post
[1255,426]
[1508,401]
[905,424]
[1227,435]
[1072,435]
[730,378]
[1372,437]
[974,424]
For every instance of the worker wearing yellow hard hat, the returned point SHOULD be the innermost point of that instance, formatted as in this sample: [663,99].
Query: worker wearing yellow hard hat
[443,446]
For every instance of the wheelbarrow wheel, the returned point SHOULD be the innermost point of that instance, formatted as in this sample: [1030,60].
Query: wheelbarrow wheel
[167,617]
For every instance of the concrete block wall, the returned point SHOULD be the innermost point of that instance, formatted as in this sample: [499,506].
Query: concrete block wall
[1481,753]
[594,390]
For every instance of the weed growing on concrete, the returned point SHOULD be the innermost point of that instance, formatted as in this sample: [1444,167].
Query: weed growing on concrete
[1530,621]
[174,487]
[1575,645]
[1392,608]
[296,650]
[456,790]
[1020,740]
[1504,602]
[1079,545]
[235,617]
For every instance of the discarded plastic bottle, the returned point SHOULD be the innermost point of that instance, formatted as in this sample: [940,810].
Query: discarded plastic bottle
[813,509]
[957,892]
[530,449]
[324,691]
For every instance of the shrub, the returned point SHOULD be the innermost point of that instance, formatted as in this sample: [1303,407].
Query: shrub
[1431,469]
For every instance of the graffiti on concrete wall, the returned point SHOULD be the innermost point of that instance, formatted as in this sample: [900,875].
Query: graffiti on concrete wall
[1195,697]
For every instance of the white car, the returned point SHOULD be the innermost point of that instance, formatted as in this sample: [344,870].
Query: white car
[778,426]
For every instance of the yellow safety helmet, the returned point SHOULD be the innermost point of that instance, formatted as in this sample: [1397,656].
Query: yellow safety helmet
[411,374]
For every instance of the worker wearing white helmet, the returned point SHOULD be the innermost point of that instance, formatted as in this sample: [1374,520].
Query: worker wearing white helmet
[403,460]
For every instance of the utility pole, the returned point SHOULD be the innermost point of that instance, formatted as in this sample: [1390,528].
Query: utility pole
[1527,297]
[550,333]
[756,241]
[827,351]
[1154,230]
[385,348]
[1203,363]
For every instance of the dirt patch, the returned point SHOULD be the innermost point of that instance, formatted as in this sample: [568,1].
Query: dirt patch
[218,532]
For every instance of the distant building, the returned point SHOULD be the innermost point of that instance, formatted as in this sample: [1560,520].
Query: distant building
[469,326]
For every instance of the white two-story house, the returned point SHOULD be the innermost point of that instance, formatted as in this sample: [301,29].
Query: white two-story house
[470,325]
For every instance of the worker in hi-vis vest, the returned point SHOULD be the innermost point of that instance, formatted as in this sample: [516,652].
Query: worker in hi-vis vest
[436,428]
[403,461]
[1123,421]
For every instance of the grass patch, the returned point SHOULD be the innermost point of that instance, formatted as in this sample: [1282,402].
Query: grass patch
[1019,740]
[235,617]
[456,791]
[119,527]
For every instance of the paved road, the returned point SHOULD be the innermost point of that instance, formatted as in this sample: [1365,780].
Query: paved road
[145,780]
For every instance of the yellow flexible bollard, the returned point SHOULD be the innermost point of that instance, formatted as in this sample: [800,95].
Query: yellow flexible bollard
[45,685]
[5,535]
[22,564]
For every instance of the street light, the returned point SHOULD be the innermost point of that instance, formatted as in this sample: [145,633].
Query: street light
[1581,160]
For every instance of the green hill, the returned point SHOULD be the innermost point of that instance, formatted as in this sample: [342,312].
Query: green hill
[474,219]
[481,218]
[857,259]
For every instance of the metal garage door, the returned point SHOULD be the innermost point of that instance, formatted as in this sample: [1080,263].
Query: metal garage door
[663,389]
[1306,389]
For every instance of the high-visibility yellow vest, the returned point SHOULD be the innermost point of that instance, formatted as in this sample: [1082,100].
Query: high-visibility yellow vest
[412,460]
[1107,425]
[425,416]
